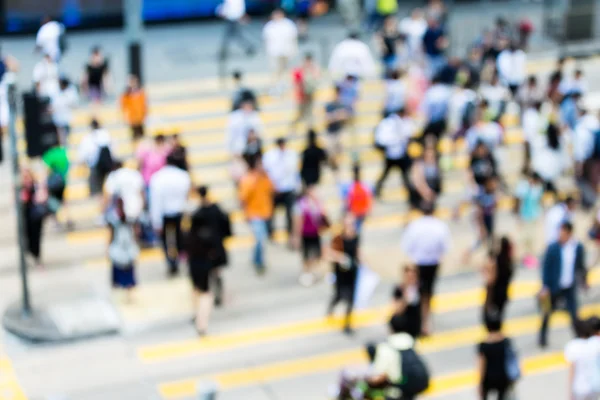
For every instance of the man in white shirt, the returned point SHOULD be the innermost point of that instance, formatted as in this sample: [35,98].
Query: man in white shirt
[63,103]
[414,28]
[352,57]
[95,150]
[393,135]
[127,184]
[240,123]
[281,165]
[533,130]
[512,68]
[45,77]
[234,12]
[557,215]
[281,42]
[48,38]
[169,191]
[426,241]
[435,106]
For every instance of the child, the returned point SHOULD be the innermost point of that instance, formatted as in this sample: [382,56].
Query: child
[529,195]
[122,250]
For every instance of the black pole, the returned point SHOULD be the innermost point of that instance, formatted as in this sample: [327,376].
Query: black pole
[134,27]
[12,132]
[135,60]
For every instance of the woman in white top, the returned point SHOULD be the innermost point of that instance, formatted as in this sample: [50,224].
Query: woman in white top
[549,157]
[582,354]
[281,41]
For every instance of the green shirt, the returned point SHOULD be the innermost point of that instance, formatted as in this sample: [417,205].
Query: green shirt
[57,160]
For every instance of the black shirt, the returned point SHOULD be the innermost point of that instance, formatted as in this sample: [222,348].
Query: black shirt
[483,168]
[312,158]
[389,44]
[212,219]
[346,275]
[95,73]
[495,365]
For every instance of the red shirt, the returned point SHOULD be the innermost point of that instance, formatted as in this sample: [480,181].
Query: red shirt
[298,79]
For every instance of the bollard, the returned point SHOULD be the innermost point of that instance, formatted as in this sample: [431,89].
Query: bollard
[207,391]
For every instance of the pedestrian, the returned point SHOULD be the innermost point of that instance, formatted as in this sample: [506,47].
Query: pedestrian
[239,125]
[253,149]
[482,166]
[549,158]
[529,192]
[178,151]
[530,93]
[152,156]
[533,128]
[582,354]
[50,38]
[350,12]
[336,116]
[425,182]
[414,28]
[96,79]
[127,185]
[123,250]
[313,157]
[496,96]
[564,269]
[594,235]
[352,57]
[435,107]
[426,241]
[586,152]
[389,39]
[234,13]
[310,219]
[345,255]
[435,43]
[512,68]
[280,36]
[45,77]
[33,200]
[484,130]
[9,66]
[569,110]
[134,107]
[561,212]
[281,164]
[498,272]
[486,205]
[358,198]
[256,193]
[241,93]
[169,191]
[96,151]
[494,354]
[462,110]
[575,85]
[306,81]
[212,216]
[349,92]
[63,103]
[393,134]
[57,161]
[395,93]
[407,300]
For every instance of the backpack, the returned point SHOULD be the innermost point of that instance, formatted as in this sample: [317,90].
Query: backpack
[511,363]
[104,164]
[415,376]
[359,200]
[596,152]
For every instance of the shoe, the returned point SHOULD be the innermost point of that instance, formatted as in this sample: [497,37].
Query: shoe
[348,331]
[260,270]
[307,279]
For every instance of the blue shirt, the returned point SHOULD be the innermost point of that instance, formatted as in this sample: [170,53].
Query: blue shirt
[530,197]
[568,112]
[348,94]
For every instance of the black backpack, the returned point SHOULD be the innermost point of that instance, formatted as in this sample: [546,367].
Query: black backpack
[105,161]
[415,376]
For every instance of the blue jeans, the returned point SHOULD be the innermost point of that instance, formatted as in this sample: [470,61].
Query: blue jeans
[569,296]
[259,230]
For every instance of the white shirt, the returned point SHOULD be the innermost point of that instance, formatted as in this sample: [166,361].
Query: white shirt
[45,73]
[567,270]
[63,104]
[555,217]
[395,94]
[533,126]
[127,184]
[394,133]
[426,240]
[281,38]
[414,29]
[282,168]
[572,85]
[495,95]
[436,102]
[512,67]
[47,38]
[89,148]
[584,354]
[238,126]
[583,137]
[232,10]
[169,189]
[352,57]
[547,162]
[489,133]
[457,106]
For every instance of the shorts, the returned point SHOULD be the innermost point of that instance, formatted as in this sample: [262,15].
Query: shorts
[123,276]
[311,248]
[95,93]
[427,278]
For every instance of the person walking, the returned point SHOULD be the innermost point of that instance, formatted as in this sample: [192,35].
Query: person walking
[425,183]
[46,77]
[407,300]
[256,192]
[358,198]
[242,93]
[493,354]
[96,79]
[234,13]
[352,57]
[561,212]
[345,255]
[212,215]
[582,354]
[33,200]
[436,105]
[389,40]
[127,185]
[486,205]
[529,194]
[281,165]
[533,127]
[426,241]
[152,156]
[497,274]
[63,103]
[309,219]
[550,158]
[134,107]
[253,149]
[482,167]
[564,269]
[96,151]
[395,93]
[123,250]
[57,162]
[512,68]
[280,36]
[169,191]
[435,43]
[48,38]
[179,151]
[393,134]
[306,81]
[336,116]
[240,123]
[313,157]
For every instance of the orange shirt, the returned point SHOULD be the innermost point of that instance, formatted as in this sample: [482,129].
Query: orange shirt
[133,106]
[256,195]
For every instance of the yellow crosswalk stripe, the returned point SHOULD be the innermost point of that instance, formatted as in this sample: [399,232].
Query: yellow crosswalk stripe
[10,389]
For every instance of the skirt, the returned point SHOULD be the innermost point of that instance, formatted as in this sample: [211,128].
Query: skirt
[123,276]
[200,271]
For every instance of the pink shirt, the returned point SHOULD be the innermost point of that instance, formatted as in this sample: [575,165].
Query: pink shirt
[151,160]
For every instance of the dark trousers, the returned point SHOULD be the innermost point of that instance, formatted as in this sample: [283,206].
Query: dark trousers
[403,164]
[343,292]
[172,241]
[33,228]
[502,392]
[570,297]
[285,199]
[233,30]
[137,131]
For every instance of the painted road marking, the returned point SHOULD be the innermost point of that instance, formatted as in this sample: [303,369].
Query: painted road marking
[10,388]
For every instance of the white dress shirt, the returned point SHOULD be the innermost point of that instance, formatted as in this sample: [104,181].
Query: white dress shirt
[512,67]
[240,122]
[45,73]
[47,38]
[568,254]
[414,29]
[352,57]
[232,10]
[533,126]
[63,104]
[89,148]
[395,94]
[169,189]
[426,240]
[281,38]
[394,133]
[282,168]
[555,217]
[127,184]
